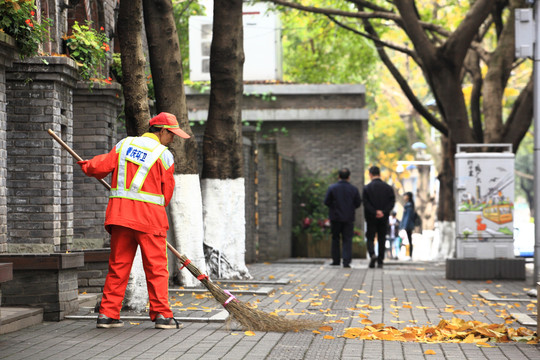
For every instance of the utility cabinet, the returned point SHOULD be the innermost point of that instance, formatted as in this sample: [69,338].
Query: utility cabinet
[484,196]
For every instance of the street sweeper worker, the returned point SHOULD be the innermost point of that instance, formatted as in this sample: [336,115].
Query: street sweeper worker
[142,185]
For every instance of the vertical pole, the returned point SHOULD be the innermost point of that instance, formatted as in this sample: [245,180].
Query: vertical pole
[536,112]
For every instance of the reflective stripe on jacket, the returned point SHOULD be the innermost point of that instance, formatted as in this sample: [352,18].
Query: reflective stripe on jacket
[144,152]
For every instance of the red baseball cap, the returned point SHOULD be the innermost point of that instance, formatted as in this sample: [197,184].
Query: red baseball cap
[169,122]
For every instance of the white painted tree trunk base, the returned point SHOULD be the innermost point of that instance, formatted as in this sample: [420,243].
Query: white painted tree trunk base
[225,228]
[444,240]
[136,296]
[186,225]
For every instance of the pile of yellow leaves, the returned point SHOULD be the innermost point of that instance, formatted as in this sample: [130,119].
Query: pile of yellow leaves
[454,330]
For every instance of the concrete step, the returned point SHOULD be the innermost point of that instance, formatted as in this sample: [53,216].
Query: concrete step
[89,299]
[17,318]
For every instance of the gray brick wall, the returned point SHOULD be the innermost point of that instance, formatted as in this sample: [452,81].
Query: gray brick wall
[53,290]
[250,166]
[323,146]
[284,230]
[7,55]
[275,179]
[95,110]
[39,93]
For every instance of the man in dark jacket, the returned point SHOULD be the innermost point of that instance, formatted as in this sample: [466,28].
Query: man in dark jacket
[379,200]
[342,199]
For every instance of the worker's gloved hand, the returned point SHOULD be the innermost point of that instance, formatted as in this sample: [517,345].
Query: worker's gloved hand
[83,164]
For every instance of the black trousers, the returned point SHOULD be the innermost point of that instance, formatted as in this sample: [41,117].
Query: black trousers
[377,227]
[409,237]
[343,231]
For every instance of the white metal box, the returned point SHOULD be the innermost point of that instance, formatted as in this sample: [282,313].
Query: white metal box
[262,45]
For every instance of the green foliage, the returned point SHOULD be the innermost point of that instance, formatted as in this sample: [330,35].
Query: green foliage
[358,237]
[17,19]
[315,50]
[182,11]
[267,96]
[387,141]
[88,48]
[308,195]
[116,67]
[200,86]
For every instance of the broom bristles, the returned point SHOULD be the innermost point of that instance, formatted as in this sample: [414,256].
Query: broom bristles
[246,316]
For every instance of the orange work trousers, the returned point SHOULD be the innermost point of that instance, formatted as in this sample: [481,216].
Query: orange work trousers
[124,242]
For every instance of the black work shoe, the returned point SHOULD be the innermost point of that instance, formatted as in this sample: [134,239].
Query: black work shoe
[166,323]
[372,262]
[106,322]
[380,265]
[334,264]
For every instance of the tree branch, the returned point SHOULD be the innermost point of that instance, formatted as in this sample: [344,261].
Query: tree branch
[411,24]
[376,40]
[387,15]
[403,84]
[473,68]
[460,40]
[515,128]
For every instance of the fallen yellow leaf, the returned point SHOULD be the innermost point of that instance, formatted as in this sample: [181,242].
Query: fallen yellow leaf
[430,352]
[326,328]
[484,344]
[462,312]
[249,333]
[328,337]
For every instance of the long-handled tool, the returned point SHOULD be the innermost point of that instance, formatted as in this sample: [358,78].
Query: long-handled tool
[247,316]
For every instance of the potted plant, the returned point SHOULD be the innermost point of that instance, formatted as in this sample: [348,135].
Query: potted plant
[311,233]
[18,20]
[88,47]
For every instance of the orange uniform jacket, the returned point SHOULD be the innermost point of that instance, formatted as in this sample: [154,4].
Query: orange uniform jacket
[138,215]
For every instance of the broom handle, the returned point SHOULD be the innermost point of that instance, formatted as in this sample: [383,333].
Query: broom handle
[78,158]
[74,154]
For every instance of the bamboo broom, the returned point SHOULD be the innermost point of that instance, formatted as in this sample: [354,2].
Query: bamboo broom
[248,317]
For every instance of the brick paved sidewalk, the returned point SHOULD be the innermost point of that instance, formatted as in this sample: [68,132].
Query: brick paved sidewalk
[332,294]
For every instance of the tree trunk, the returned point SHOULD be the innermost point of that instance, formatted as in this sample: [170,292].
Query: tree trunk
[223,182]
[134,86]
[185,209]
[223,135]
[446,215]
[446,208]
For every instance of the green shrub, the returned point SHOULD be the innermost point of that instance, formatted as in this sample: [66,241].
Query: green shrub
[18,20]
